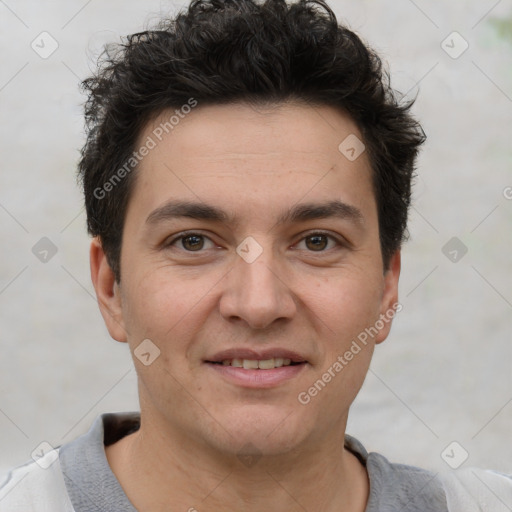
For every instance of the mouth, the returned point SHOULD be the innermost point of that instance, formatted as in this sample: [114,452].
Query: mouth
[257,370]
[258,364]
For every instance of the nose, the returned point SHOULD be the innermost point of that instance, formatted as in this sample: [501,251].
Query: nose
[257,293]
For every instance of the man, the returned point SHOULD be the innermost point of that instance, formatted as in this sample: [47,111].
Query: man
[247,176]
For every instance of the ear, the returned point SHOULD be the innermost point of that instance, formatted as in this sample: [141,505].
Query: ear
[108,292]
[389,303]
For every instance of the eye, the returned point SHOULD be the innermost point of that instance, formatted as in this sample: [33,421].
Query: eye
[319,241]
[191,242]
[195,242]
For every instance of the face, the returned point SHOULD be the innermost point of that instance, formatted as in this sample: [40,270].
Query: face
[251,261]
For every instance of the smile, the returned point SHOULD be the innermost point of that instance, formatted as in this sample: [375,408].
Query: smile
[257,373]
[255,364]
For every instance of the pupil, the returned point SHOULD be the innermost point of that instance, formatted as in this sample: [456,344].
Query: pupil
[316,239]
[198,242]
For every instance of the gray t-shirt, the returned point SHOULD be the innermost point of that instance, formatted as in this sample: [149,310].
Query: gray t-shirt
[92,486]
[77,478]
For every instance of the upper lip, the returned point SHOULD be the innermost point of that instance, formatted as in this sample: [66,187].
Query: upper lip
[261,355]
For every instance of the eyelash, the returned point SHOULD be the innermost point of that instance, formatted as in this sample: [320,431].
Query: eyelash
[186,234]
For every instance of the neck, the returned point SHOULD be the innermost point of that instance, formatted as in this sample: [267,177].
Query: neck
[168,471]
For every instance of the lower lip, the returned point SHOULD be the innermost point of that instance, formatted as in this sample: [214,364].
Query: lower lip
[258,378]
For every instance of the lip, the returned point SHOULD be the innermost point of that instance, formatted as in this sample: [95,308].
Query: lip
[257,378]
[261,355]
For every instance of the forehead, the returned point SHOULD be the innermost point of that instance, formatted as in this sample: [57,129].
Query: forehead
[248,155]
[246,131]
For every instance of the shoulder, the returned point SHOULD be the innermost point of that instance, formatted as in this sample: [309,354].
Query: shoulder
[402,487]
[396,486]
[35,487]
[462,490]
[473,489]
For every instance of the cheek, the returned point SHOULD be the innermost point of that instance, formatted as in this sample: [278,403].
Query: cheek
[344,309]
[154,304]
[349,304]
[167,309]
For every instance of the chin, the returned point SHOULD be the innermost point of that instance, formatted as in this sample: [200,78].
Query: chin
[268,432]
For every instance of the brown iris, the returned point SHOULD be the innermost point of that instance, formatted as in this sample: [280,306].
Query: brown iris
[196,244]
[318,243]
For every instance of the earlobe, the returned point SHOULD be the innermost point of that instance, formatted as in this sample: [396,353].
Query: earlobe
[107,291]
[389,302]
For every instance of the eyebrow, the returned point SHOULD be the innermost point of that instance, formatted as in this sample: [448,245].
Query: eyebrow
[299,213]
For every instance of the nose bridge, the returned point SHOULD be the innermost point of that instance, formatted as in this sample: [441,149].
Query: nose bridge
[256,292]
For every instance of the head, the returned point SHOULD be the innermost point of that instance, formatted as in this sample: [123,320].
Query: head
[270,134]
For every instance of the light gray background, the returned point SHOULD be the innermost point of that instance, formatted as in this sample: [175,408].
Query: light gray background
[445,373]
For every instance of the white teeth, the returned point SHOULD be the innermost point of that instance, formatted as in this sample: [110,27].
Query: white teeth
[253,364]
[267,364]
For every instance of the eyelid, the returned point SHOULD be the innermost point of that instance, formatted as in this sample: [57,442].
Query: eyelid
[183,234]
[340,240]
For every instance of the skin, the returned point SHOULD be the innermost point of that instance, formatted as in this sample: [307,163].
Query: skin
[313,299]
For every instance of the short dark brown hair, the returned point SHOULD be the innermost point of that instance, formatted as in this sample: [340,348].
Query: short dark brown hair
[226,51]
